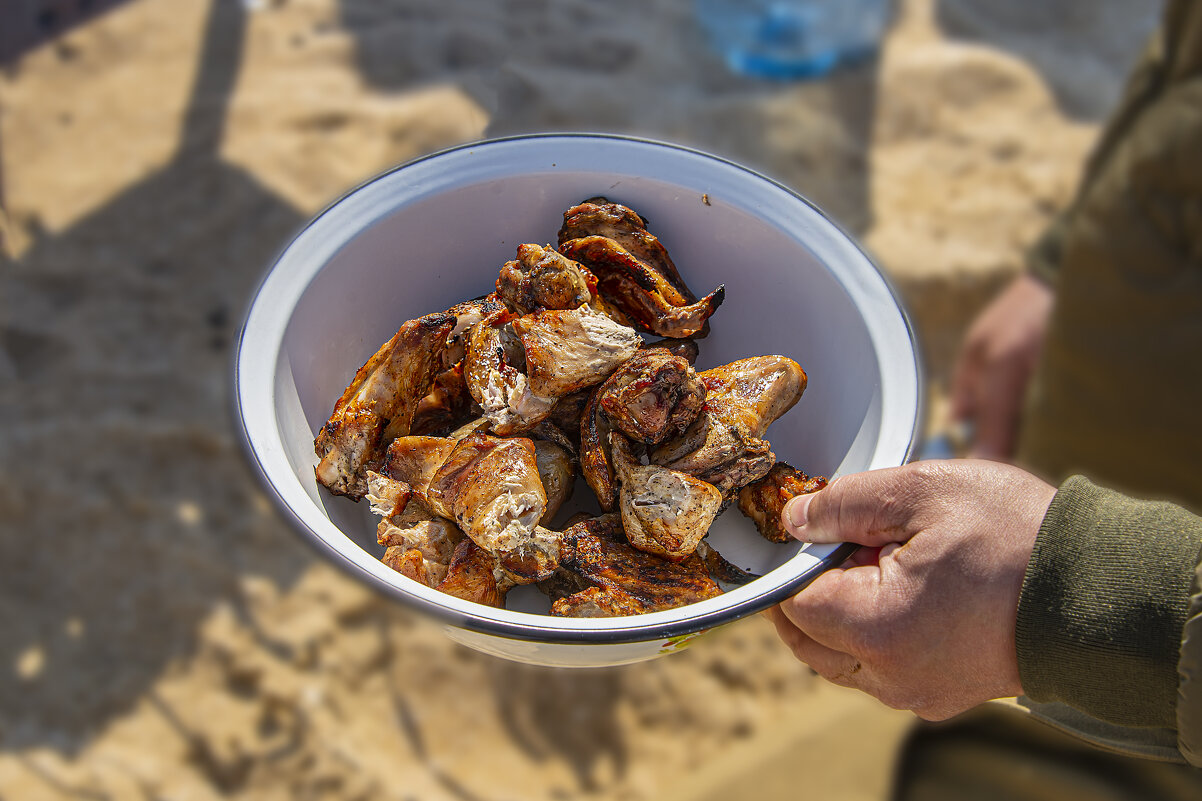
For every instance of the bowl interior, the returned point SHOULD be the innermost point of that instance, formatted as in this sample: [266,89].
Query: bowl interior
[435,232]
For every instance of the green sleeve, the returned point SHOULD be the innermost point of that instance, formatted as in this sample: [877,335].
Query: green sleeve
[1104,604]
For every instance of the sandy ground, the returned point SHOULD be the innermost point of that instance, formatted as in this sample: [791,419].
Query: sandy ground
[163,635]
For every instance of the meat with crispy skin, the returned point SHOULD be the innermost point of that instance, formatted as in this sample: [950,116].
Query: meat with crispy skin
[595,552]
[643,294]
[379,404]
[415,459]
[540,278]
[473,576]
[491,488]
[724,446]
[764,500]
[567,351]
[664,512]
[652,396]
[599,217]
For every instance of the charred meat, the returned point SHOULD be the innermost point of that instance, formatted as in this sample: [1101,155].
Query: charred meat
[652,396]
[379,404]
[764,500]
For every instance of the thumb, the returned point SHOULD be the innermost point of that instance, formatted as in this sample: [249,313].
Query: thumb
[865,508]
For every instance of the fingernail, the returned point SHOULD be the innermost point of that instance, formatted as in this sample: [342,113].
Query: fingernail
[795,510]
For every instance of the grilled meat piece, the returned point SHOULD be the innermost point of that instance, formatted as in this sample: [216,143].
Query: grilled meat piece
[652,396]
[557,472]
[598,217]
[414,460]
[752,393]
[473,576]
[642,294]
[595,463]
[724,446]
[491,488]
[764,500]
[540,278]
[567,351]
[595,552]
[599,602]
[419,543]
[379,404]
[664,512]
[492,370]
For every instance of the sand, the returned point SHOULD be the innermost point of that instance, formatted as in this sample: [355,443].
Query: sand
[164,635]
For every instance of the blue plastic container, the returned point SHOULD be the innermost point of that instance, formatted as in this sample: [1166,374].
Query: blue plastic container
[790,39]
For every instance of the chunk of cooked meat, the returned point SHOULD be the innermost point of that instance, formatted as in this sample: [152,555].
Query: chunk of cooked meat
[664,512]
[764,500]
[491,488]
[446,406]
[652,396]
[595,552]
[492,370]
[379,404]
[414,460]
[643,295]
[567,351]
[473,576]
[718,453]
[595,463]
[599,602]
[419,543]
[599,217]
[557,471]
[752,393]
[724,446]
[540,278]
[567,413]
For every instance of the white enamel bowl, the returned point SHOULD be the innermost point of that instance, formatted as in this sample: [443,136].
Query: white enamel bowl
[436,231]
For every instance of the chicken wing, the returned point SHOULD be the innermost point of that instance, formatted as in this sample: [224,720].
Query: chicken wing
[724,446]
[599,217]
[567,351]
[540,278]
[379,404]
[664,512]
[641,293]
[652,395]
[764,500]
[595,552]
[491,488]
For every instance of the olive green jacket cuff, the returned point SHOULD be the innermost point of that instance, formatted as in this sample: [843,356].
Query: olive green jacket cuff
[1104,606]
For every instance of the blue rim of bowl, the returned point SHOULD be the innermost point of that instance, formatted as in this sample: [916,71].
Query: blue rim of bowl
[634,633]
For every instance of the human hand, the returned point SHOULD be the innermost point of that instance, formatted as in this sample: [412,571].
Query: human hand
[923,617]
[996,362]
